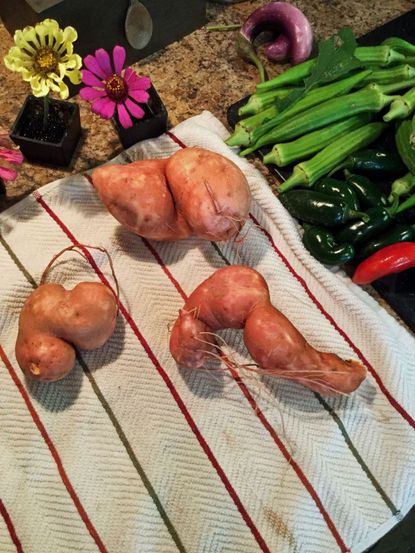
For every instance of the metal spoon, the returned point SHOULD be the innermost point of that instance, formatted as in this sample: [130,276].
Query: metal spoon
[138,25]
[41,5]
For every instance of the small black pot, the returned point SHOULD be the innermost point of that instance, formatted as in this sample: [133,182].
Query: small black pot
[153,124]
[56,144]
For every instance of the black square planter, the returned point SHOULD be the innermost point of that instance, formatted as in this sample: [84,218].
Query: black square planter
[153,124]
[63,136]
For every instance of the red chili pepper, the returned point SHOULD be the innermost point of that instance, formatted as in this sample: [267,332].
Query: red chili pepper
[390,259]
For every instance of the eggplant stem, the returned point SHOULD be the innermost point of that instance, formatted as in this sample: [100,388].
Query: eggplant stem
[247,52]
[261,69]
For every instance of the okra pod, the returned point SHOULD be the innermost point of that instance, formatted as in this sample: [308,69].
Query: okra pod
[391,75]
[402,141]
[407,204]
[257,102]
[369,99]
[382,55]
[402,107]
[258,118]
[305,146]
[369,56]
[241,134]
[400,45]
[313,98]
[308,172]
[401,186]
[396,87]
[293,75]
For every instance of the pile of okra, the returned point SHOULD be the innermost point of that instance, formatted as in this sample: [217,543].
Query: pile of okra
[329,134]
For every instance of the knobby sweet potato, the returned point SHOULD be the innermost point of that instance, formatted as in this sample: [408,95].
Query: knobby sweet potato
[195,192]
[238,297]
[53,320]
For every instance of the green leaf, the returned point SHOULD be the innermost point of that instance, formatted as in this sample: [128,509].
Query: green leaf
[335,60]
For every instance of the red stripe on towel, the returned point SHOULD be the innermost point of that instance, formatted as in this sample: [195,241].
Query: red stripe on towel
[175,139]
[54,452]
[157,257]
[180,403]
[10,527]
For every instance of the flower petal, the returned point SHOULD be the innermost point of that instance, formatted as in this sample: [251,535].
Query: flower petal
[90,79]
[64,40]
[139,83]
[5,139]
[13,156]
[123,116]
[134,109]
[118,56]
[17,60]
[104,107]
[88,93]
[41,33]
[50,27]
[139,96]
[23,38]
[128,73]
[74,76]
[104,62]
[47,25]
[91,63]
[21,55]
[7,174]
[39,85]
[69,34]
[51,84]
[63,90]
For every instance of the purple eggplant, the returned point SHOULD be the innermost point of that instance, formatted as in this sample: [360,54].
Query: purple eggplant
[279,49]
[294,37]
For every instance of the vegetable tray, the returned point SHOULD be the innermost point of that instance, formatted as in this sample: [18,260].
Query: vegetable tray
[397,290]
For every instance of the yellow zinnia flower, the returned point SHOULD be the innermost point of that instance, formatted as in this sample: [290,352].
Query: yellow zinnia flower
[44,56]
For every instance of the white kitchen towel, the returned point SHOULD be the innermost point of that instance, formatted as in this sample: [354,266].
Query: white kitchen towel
[131,454]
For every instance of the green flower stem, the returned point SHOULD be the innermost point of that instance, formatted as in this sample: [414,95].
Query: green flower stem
[45,111]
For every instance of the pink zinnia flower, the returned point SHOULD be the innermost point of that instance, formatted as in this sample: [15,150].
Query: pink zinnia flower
[10,156]
[110,86]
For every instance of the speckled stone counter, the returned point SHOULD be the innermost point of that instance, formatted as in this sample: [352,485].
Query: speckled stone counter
[201,71]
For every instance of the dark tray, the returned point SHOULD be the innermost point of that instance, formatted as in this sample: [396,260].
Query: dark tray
[397,290]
